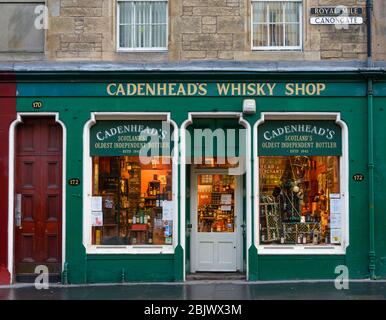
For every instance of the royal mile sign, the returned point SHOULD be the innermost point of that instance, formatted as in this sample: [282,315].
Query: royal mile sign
[337,15]
[292,138]
[128,138]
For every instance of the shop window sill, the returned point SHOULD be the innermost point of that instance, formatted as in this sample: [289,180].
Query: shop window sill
[299,250]
[139,249]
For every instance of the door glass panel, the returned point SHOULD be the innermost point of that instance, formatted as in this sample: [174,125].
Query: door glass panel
[215,203]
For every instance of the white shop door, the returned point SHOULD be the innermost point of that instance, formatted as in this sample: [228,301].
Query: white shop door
[216,212]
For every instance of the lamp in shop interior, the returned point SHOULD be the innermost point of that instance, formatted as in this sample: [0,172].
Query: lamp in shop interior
[154,163]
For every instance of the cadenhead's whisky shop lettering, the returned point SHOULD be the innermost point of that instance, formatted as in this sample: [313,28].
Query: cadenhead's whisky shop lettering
[134,128]
[280,138]
[250,89]
[115,138]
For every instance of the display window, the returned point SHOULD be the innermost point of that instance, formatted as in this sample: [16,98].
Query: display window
[131,188]
[135,201]
[296,200]
[300,198]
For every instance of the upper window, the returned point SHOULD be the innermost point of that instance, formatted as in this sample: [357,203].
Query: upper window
[21,26]
[276,25]
[142,24]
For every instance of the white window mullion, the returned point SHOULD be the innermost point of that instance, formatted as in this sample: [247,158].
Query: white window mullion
[151,27]
[284,26]
[268,27]
[134,28]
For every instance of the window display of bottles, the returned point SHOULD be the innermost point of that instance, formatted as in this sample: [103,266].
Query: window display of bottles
[295,194]
[133,197]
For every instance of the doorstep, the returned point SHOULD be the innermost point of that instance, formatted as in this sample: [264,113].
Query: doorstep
[30,278]
[215,276]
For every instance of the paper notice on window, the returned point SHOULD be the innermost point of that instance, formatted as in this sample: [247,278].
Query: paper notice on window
[336,236]
[226,208]
[167,210]
[335,221]
[96,203]
[97,218]
[335,205]
[226,199]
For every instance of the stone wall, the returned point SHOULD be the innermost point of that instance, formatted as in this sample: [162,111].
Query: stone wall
[199,30]
[379,31]
[335,43]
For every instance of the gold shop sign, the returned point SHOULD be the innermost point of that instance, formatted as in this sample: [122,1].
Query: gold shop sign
[219,89]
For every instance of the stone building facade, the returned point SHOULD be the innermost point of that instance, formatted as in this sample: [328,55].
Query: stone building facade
[197,30]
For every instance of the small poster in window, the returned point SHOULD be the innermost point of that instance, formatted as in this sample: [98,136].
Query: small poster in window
[335,221]
[335,205]
[335,235]
[97,218]
[167,210]
[226,199]
[226,208]
[96,203]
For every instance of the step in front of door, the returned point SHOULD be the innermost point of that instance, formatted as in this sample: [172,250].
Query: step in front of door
[215,276]
[30,278]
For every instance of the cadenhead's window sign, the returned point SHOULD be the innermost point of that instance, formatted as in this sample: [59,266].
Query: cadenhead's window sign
[127,137]
[312,138]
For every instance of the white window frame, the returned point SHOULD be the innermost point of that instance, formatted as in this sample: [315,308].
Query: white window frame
[147,49]
[87,187]
[279,48]
[299,249]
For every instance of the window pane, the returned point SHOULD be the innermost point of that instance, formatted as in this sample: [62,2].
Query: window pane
[215,203]
[276,35]
[133,196]
[296,197]
[292,12]
[260,35]
[148,24]
[292,35]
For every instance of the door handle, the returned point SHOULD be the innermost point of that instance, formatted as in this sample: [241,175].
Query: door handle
[18,214]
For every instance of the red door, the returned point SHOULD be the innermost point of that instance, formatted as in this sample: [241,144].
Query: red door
[38,198]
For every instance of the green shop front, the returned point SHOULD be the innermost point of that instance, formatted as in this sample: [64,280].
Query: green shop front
[159,175]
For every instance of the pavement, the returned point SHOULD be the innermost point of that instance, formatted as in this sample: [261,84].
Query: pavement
[202,290]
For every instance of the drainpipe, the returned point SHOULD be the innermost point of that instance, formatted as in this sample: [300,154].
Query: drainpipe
[369,15]
[371,178]
[370,125]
